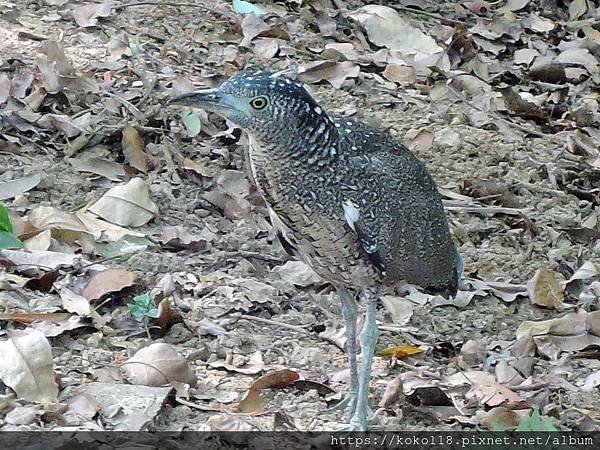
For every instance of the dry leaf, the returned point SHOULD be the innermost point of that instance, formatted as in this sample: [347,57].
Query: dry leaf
[99,166]
[30,372]
[297,273]
[252,402]
[401,351]
[334,72]
[399,309]
[157,365]
[126,205]
[18,186]
[179,238]
[87,15]
[254,366]
[492,394]
[38,259]
[544,289]
[132,146]
[392,393]
[403,75]
[386,28]
[107,281]
[74,303]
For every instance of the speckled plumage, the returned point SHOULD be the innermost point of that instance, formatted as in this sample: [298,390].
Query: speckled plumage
[308,165]
[354,204]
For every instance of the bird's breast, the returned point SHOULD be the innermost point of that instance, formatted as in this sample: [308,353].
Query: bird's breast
[308,212]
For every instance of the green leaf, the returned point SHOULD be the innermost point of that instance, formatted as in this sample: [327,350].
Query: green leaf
[192,124]
[140,308]
[9,240]
[242,7]
[535,422]
[5,224]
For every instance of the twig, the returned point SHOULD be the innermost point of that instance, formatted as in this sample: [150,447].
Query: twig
[451,206]
[530,387]
[176,4]
[279,324]
[425,13]
[197,406]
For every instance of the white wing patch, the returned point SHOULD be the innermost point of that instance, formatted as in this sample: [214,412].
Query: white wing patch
[351,213]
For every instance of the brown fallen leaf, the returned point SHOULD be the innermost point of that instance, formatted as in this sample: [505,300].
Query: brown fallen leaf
[252,402]
[107,281]
[336,73]
[133,149]
[544,289]
[493,394]
[157,365]
[392,392]
[167,316]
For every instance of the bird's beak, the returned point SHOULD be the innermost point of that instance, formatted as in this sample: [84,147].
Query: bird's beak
[208,99]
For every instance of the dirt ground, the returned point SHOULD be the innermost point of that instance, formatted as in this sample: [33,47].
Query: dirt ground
[232,298]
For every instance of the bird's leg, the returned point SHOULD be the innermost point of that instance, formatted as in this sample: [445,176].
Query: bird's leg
[349,311]
[368,339]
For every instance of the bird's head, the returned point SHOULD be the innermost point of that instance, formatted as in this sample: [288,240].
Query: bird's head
[262,103]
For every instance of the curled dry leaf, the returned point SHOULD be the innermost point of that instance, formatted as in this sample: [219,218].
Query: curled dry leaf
[544,289]
[400,351]
[157,365]
[127,205]
[297,273]
[333,72]
[569,333]
[392,393]
[30,372]
[252,402]
[107,281]
[493,394]
[254,365]
[87,15]
[133,149]
[65,227]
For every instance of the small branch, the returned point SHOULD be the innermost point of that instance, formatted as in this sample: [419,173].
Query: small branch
[428,14]
[185,4]
[278,324]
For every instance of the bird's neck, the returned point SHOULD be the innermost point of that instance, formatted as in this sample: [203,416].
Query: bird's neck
[310,145]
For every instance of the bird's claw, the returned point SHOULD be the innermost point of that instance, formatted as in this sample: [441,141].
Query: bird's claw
[358,422]
[348,400]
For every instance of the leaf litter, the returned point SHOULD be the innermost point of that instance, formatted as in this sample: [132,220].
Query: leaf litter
[115,195]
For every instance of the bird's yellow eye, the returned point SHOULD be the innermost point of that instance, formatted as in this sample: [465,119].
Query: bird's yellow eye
[259,102]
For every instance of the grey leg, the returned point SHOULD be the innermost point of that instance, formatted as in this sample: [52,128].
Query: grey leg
[349,311]
[368,339]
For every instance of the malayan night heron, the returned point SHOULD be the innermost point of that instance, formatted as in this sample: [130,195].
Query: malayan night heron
[350,201]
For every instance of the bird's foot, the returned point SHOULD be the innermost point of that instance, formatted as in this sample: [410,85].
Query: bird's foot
[348,400]
[358,422]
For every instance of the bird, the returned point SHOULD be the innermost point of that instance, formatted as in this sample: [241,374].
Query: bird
[347,199]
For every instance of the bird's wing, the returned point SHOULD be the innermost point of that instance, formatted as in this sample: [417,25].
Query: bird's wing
[403,230]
